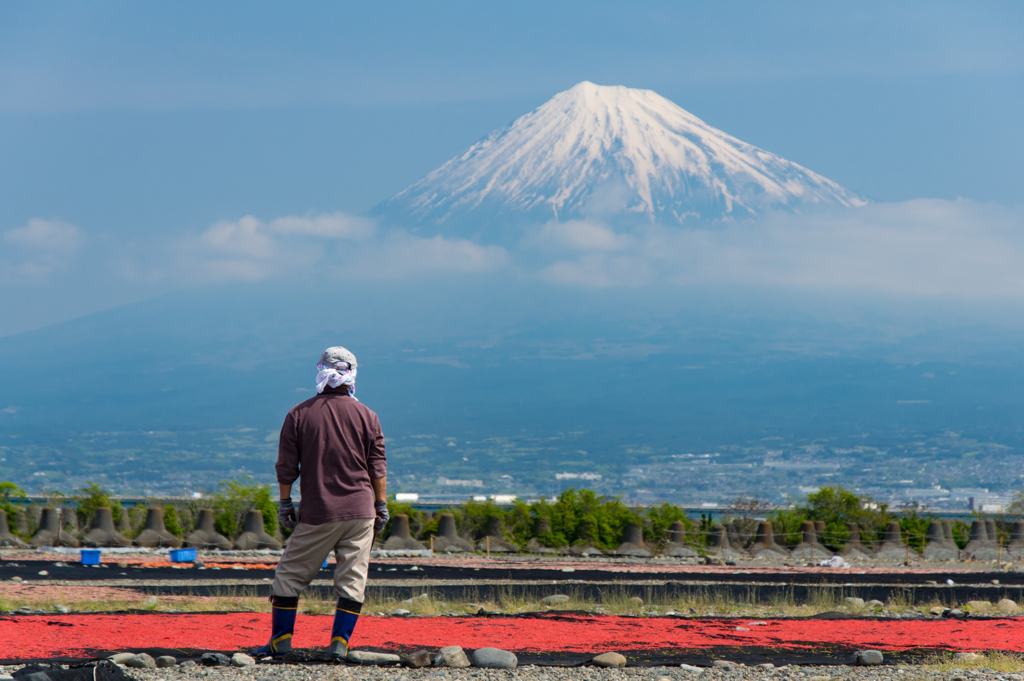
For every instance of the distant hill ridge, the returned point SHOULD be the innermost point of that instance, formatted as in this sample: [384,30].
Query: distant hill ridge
[607,152]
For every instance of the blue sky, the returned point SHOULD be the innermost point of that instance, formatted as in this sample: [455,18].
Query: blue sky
[126,126]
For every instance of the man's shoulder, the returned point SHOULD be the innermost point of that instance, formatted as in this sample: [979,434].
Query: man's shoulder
[334,402]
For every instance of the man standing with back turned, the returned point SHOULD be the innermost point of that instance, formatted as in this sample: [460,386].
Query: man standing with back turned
[335,445]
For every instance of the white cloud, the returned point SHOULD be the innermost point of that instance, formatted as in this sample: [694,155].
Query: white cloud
[38,248]
[401,254]
[55,236]
[327,225]
[336,244]
[579,235]
[917,248]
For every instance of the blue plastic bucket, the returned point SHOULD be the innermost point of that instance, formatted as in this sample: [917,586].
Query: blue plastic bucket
[91,556]
[324,565]
[183,555]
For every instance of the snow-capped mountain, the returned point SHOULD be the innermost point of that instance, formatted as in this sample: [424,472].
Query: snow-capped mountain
[609,152]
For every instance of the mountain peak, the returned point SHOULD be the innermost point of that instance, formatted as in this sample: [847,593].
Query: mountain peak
[611,152]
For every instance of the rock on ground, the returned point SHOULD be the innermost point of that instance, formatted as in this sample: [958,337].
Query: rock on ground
[494,658]
[867,657]
[215,660]
[417,659]
[451,656]
[554,599]
[166,661]
[609,660]
[242,660]
[141,661]
[367,657]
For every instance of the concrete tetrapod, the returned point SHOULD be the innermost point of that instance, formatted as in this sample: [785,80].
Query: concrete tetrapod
[6,538]
[205,536]
[980,547]
[677,547]
[103,532]
[719,544]
[69,522]
[495,538]
[585,545]
[447,539]
[809,548]
[542,528]
[124,524]
[855,549]
[154,535]
[732,531]
[254,534]
[993,533]
[400,538]
[937,548]
[892,547]
[633,542]
[764,545]
[1016,546]
[50,533]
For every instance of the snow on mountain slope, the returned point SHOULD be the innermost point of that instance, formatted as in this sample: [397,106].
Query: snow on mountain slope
[608,152]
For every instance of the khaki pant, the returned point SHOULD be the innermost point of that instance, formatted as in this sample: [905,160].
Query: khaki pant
[309,545]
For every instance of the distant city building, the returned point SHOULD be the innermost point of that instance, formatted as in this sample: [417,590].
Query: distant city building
[408,497]
[459,483]
[577,476]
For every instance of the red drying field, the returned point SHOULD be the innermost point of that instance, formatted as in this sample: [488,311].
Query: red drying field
[35,637]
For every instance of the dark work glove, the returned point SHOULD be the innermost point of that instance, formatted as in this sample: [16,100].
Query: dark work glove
[286,513]
[382,516]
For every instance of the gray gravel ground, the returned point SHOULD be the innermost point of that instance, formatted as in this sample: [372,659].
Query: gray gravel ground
[533,673]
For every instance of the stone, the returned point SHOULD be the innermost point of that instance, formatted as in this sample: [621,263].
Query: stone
[166,661]
[766,665]
[691,668]
[141,661]
[1006,605]
[875,605]
[417,659]
[856,603]
[966,657]
[554,599]
[938,611]
[63,609]
[867,658]
[369,658]
[16,578]
[121,658]
[636,600]
[399,612]
[727,665]
[187,663]
[957,614]
[494,658]
[609,660]
[978,606]
[151,602]
[451,656]
[242,660]
[215,660]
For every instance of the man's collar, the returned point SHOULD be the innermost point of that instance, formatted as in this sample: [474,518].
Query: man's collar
[340,390]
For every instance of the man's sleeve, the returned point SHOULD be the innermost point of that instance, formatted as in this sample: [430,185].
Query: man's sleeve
[377,462]
[288,451]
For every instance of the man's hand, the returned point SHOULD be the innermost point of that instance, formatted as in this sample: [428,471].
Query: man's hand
[286,513]
[382,516]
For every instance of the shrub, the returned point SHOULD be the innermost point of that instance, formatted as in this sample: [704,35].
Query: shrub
[171,520]
[238,496]
[92,497]
[8,491]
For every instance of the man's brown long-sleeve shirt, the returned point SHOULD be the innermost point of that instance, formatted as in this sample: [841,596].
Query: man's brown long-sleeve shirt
[335,444]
